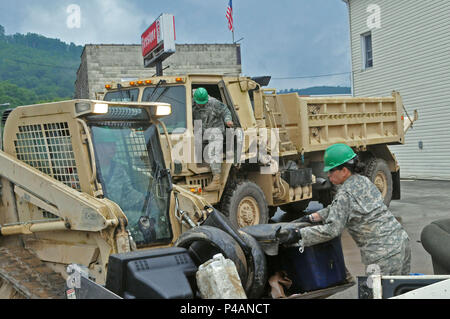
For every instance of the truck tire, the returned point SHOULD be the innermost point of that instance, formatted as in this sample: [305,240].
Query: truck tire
[257,272]
[203,242]
[326,196]
[379,173]
[244,204]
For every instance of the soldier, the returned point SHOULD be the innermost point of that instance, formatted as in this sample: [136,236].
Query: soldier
[359,206]
[118,187]
[113,175]
[214,115]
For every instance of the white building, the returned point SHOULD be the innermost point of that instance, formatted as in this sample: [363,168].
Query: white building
[404,45]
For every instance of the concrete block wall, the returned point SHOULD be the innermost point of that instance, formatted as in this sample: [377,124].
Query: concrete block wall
[101,64]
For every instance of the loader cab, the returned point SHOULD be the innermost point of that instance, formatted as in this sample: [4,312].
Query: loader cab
[131,170]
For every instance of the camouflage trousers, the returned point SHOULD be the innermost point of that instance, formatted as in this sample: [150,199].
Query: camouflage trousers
[213,152]
[398,264]
[216,168]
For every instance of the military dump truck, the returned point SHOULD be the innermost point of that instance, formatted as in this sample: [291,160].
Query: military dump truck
[273,157]
[84,183]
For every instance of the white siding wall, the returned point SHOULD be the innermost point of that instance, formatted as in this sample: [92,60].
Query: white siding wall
[411,53]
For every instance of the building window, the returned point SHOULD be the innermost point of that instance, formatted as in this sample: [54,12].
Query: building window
[366,40]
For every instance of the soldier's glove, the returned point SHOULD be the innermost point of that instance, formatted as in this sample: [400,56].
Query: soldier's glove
[289,236]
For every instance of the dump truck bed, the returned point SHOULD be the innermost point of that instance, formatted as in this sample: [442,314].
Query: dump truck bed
[314,123]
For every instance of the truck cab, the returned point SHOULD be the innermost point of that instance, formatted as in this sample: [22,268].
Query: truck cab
[251,150]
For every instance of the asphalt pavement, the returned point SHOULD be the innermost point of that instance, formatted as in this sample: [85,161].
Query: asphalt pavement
[422,201]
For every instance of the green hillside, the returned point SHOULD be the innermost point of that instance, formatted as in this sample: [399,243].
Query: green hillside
[35,69]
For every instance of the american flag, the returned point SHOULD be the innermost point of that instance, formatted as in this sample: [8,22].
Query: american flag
[229,15]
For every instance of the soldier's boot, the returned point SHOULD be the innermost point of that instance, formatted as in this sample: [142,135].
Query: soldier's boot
[214,185]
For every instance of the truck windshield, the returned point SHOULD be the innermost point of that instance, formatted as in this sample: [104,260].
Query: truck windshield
[123,95]
[174,95]
[131,170]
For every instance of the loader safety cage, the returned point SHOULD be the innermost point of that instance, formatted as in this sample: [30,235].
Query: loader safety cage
[132,172]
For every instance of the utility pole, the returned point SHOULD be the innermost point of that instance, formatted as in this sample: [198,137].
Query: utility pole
[3,107]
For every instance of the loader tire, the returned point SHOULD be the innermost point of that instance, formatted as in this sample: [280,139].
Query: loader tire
[244,204]
[257,272]
[378,172]
[203,242]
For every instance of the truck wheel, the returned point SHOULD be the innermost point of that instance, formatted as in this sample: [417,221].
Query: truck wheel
[203,242]
[245,205]
[378,172]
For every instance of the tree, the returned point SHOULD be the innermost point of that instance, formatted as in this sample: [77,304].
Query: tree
[36,68]
[2,33]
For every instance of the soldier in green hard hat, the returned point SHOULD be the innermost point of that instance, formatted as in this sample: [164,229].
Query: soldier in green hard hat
[214,116]
[359,207]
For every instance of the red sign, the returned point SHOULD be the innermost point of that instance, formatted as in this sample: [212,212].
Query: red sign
[151,38]
[158,41]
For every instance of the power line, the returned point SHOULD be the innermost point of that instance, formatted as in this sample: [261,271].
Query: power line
[274,78]
[45,65]
[309,76]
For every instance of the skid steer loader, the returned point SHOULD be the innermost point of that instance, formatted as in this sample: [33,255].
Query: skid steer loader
[84,183]
[82,180]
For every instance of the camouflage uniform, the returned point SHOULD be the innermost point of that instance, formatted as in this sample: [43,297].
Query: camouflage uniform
[213,115]
[119,189]
[359,206]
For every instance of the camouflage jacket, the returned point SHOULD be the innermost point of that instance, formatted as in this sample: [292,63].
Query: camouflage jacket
[118,187]
[213,114]
[359,206]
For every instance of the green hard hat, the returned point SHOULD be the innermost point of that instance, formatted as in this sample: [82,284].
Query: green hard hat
[336,155]
[201,96]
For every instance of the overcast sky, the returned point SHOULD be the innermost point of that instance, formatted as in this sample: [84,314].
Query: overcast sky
[284,38]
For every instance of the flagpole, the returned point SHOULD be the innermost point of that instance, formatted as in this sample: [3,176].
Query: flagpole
[229,16]
[232,31]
